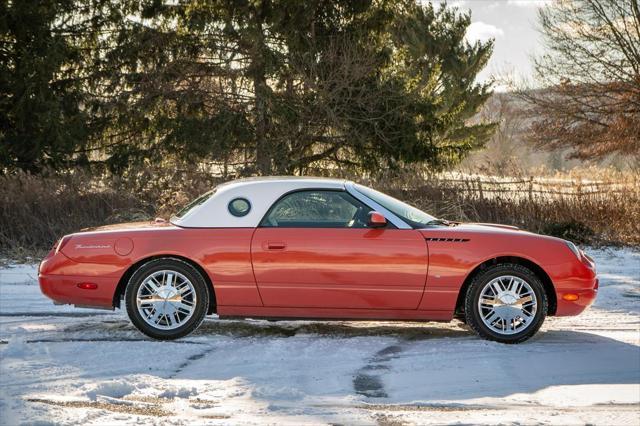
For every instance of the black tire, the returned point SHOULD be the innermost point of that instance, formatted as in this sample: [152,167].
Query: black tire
[472,313]
[200,287]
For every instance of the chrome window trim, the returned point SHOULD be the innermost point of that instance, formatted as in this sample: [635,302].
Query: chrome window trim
[399,223]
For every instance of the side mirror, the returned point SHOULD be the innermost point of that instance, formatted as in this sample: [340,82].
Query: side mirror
[376,220]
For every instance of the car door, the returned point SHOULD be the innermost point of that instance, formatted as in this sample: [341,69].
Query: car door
[314,249]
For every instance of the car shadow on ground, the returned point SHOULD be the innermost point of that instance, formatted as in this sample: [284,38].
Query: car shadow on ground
[383,364]
[340,329]
[117,328]
[442,364]
[467,369]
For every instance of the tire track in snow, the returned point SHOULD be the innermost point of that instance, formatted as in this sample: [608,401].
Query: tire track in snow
[192,359]
[106,339]
[53,314]
[369,384]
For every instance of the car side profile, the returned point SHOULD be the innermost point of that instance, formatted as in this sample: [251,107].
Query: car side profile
[312,248]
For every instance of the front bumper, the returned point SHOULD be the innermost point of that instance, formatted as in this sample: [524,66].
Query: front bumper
[568,308]
[574,281]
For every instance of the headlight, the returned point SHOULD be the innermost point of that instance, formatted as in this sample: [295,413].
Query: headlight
[582,257]
[574,249]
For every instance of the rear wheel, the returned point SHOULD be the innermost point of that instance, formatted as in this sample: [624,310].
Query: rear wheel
[506,303]
[166,298]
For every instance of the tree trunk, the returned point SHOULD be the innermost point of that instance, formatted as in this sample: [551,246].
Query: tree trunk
[261,89]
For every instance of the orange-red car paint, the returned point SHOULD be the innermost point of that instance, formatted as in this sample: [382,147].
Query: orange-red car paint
[410,274]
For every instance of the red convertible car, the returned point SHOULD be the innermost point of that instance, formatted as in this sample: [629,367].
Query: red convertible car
[318,249]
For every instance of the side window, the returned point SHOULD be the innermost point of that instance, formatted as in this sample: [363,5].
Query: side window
[317,209]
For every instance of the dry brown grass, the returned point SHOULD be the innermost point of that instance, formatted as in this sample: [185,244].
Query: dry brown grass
[594,218]
[36,210]
[593,207]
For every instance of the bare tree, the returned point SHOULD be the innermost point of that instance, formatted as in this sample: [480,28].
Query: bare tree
[505,152]
[591,102]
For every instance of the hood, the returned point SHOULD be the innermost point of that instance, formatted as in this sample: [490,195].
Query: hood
[496,225]
[469,229]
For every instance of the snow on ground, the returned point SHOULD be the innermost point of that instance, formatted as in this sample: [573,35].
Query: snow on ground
[61,365]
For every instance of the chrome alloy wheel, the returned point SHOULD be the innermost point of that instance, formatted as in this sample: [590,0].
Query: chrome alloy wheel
[166,299]
[507,304]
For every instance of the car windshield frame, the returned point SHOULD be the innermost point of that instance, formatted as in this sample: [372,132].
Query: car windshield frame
[413,216]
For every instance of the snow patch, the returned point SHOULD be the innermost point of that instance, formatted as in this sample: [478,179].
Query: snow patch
[183,392]
[113,389]
[93,367]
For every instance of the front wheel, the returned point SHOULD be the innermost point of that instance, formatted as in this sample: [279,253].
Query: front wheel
[506,303]
[166,298]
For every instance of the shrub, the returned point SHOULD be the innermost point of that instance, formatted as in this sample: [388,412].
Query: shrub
[36,210]
[572,230]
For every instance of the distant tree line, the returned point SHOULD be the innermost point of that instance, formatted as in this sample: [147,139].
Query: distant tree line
[591,70]
[265,86]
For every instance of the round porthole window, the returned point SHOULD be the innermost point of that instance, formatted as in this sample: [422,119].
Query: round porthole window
[239,207]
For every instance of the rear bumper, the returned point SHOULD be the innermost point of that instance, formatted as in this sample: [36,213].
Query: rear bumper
[64,290]
[59,277]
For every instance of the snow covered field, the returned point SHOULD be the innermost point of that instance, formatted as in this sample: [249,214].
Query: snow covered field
[60,365]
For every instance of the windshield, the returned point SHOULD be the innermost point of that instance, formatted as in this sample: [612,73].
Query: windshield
[195,203]
[413,216]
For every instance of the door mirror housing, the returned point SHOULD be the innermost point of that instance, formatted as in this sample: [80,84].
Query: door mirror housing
[376,220]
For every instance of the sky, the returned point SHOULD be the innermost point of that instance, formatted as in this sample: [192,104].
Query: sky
[513,26]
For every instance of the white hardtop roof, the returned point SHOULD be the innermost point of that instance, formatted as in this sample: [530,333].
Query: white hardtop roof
[260,192]
[302,181]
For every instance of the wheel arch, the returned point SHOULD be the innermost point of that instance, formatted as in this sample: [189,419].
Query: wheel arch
[534,267]
[124,280]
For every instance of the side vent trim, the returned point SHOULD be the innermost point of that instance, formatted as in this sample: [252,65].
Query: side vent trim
[448,240]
